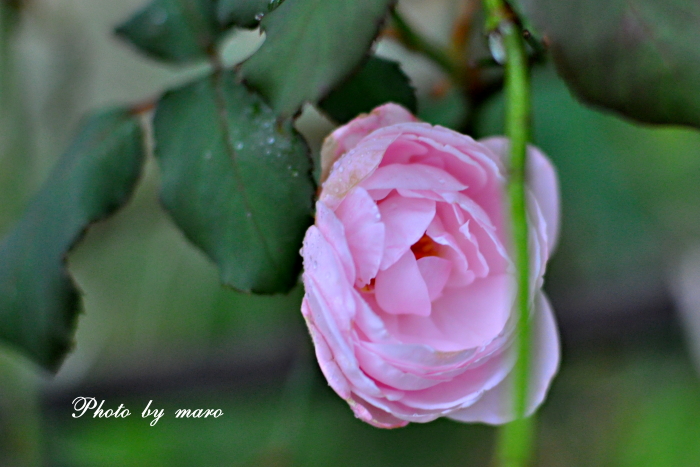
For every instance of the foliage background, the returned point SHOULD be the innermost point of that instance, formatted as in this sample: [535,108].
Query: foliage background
[157,325]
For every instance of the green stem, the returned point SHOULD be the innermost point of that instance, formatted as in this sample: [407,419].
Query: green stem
[516,439]
[414,41]
[4,51]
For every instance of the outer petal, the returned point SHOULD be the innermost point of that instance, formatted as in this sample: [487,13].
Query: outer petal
[542,181]
[324,355]
[364,231]
[346,137]
[352,168]
[334,232]
[496,406]
[373,415]
[331,307]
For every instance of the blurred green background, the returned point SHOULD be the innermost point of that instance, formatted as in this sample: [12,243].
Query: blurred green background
[157,325]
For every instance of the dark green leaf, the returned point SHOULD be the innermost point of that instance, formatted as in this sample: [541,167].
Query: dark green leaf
[637,57]
[236,180]
[244,13]
[174,30]
[311,45]
[38,301]
[449,110]
[378,81]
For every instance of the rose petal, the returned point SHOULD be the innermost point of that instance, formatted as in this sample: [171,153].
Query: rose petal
[463,318]
[403,151]
[435,272]
[321,264]
[352,169]
[324,355]
[339,343]
[542,181]
[448,248]
[374,415]
[405,220]
[382,371]
[334,232]
[472,316]
[400,289]
[348,136]
[457,163]
[464,389]
[496,405]
[364,232]
[412,177]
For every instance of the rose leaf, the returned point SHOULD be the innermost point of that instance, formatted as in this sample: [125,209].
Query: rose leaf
[174,30]
[639,58]
[310,46]
[378,81]
[96,175]
[236,180]
[244,13]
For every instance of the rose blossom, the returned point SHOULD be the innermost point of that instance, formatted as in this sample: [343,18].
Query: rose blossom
[409,285]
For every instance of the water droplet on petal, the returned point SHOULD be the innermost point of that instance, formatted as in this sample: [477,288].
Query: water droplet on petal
[341,169]
[442,180]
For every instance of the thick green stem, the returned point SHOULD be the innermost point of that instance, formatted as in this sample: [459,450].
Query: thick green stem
[516,439]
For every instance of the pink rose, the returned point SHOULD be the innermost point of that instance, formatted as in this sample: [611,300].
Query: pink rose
[409,285]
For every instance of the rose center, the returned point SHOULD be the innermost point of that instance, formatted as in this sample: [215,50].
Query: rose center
[424,247]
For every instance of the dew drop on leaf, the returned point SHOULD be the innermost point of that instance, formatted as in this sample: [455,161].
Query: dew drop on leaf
[160,16]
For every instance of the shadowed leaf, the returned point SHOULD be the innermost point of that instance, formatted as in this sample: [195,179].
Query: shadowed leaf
[378,81]
[38,301]
[637,57]
[174,30]
[310,46]
[244,13]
